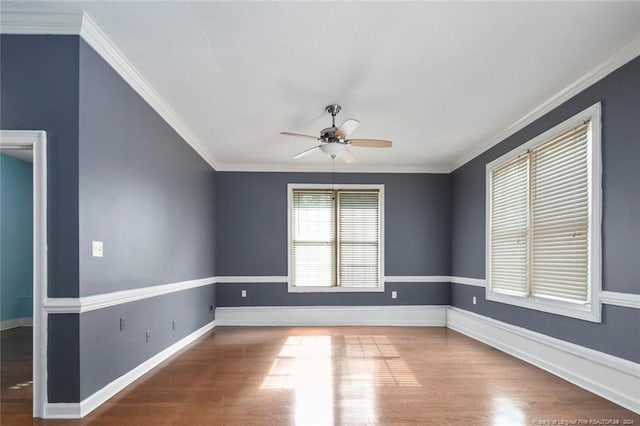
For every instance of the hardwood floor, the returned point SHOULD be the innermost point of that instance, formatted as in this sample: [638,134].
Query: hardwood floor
[16,386]
[342,375]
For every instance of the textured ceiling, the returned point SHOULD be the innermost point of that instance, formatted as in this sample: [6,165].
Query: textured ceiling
[440,79]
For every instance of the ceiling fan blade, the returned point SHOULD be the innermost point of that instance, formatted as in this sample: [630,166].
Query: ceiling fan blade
[347,128]
[370,143]
[347,156]
[299,135]
[305,152]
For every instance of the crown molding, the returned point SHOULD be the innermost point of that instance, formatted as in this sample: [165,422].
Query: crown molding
[41,22]
[98,40]
[612,63]
[79,23]
[320,168]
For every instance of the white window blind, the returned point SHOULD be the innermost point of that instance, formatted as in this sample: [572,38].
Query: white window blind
[313,238]
[539,220]
[560,217]
[543,227]
[335,238]
[358,239]
[509,227]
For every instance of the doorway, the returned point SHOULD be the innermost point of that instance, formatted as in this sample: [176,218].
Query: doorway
[20,342]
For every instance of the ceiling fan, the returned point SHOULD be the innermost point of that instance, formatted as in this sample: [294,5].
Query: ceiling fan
[334,140]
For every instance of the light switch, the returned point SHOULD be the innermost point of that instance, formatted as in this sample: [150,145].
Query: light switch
[474,300]
[394,294]
[96,249]
[244,293]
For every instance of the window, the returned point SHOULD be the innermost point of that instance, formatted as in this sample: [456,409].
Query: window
[335,237]
[543,221]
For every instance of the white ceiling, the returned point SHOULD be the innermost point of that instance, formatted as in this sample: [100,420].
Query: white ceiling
[440,79]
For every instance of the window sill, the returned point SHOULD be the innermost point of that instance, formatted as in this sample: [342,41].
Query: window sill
[292,289]
[588,312]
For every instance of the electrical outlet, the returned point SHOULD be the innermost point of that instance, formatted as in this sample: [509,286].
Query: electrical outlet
[244,293]
[96,249]
[394,294]
[148,336]
[474,300]
[122,323]
[173,325]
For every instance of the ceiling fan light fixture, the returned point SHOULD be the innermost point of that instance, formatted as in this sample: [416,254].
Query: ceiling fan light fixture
[335,141]
[332,149]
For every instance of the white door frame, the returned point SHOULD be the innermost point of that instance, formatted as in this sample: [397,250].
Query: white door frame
[37,140]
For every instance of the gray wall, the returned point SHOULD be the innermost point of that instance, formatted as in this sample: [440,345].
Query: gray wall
[144,192]
[106,352]
[252,236]
[63,358]
[150,198]
[39,91]
[276,294]
[620,96]
[119,174]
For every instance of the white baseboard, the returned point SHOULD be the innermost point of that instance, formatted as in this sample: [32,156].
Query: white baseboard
[61,410]
[613,378]
[16,322]
[407,315]
[79,410]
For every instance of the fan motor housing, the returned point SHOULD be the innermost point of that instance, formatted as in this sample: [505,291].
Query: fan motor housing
[329,135]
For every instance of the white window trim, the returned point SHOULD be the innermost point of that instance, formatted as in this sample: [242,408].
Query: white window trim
[591,311]
[293,289]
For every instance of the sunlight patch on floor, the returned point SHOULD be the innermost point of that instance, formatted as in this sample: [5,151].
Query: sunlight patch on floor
[22,385]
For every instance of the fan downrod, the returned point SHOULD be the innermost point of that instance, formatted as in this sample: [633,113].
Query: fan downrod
[333,110]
